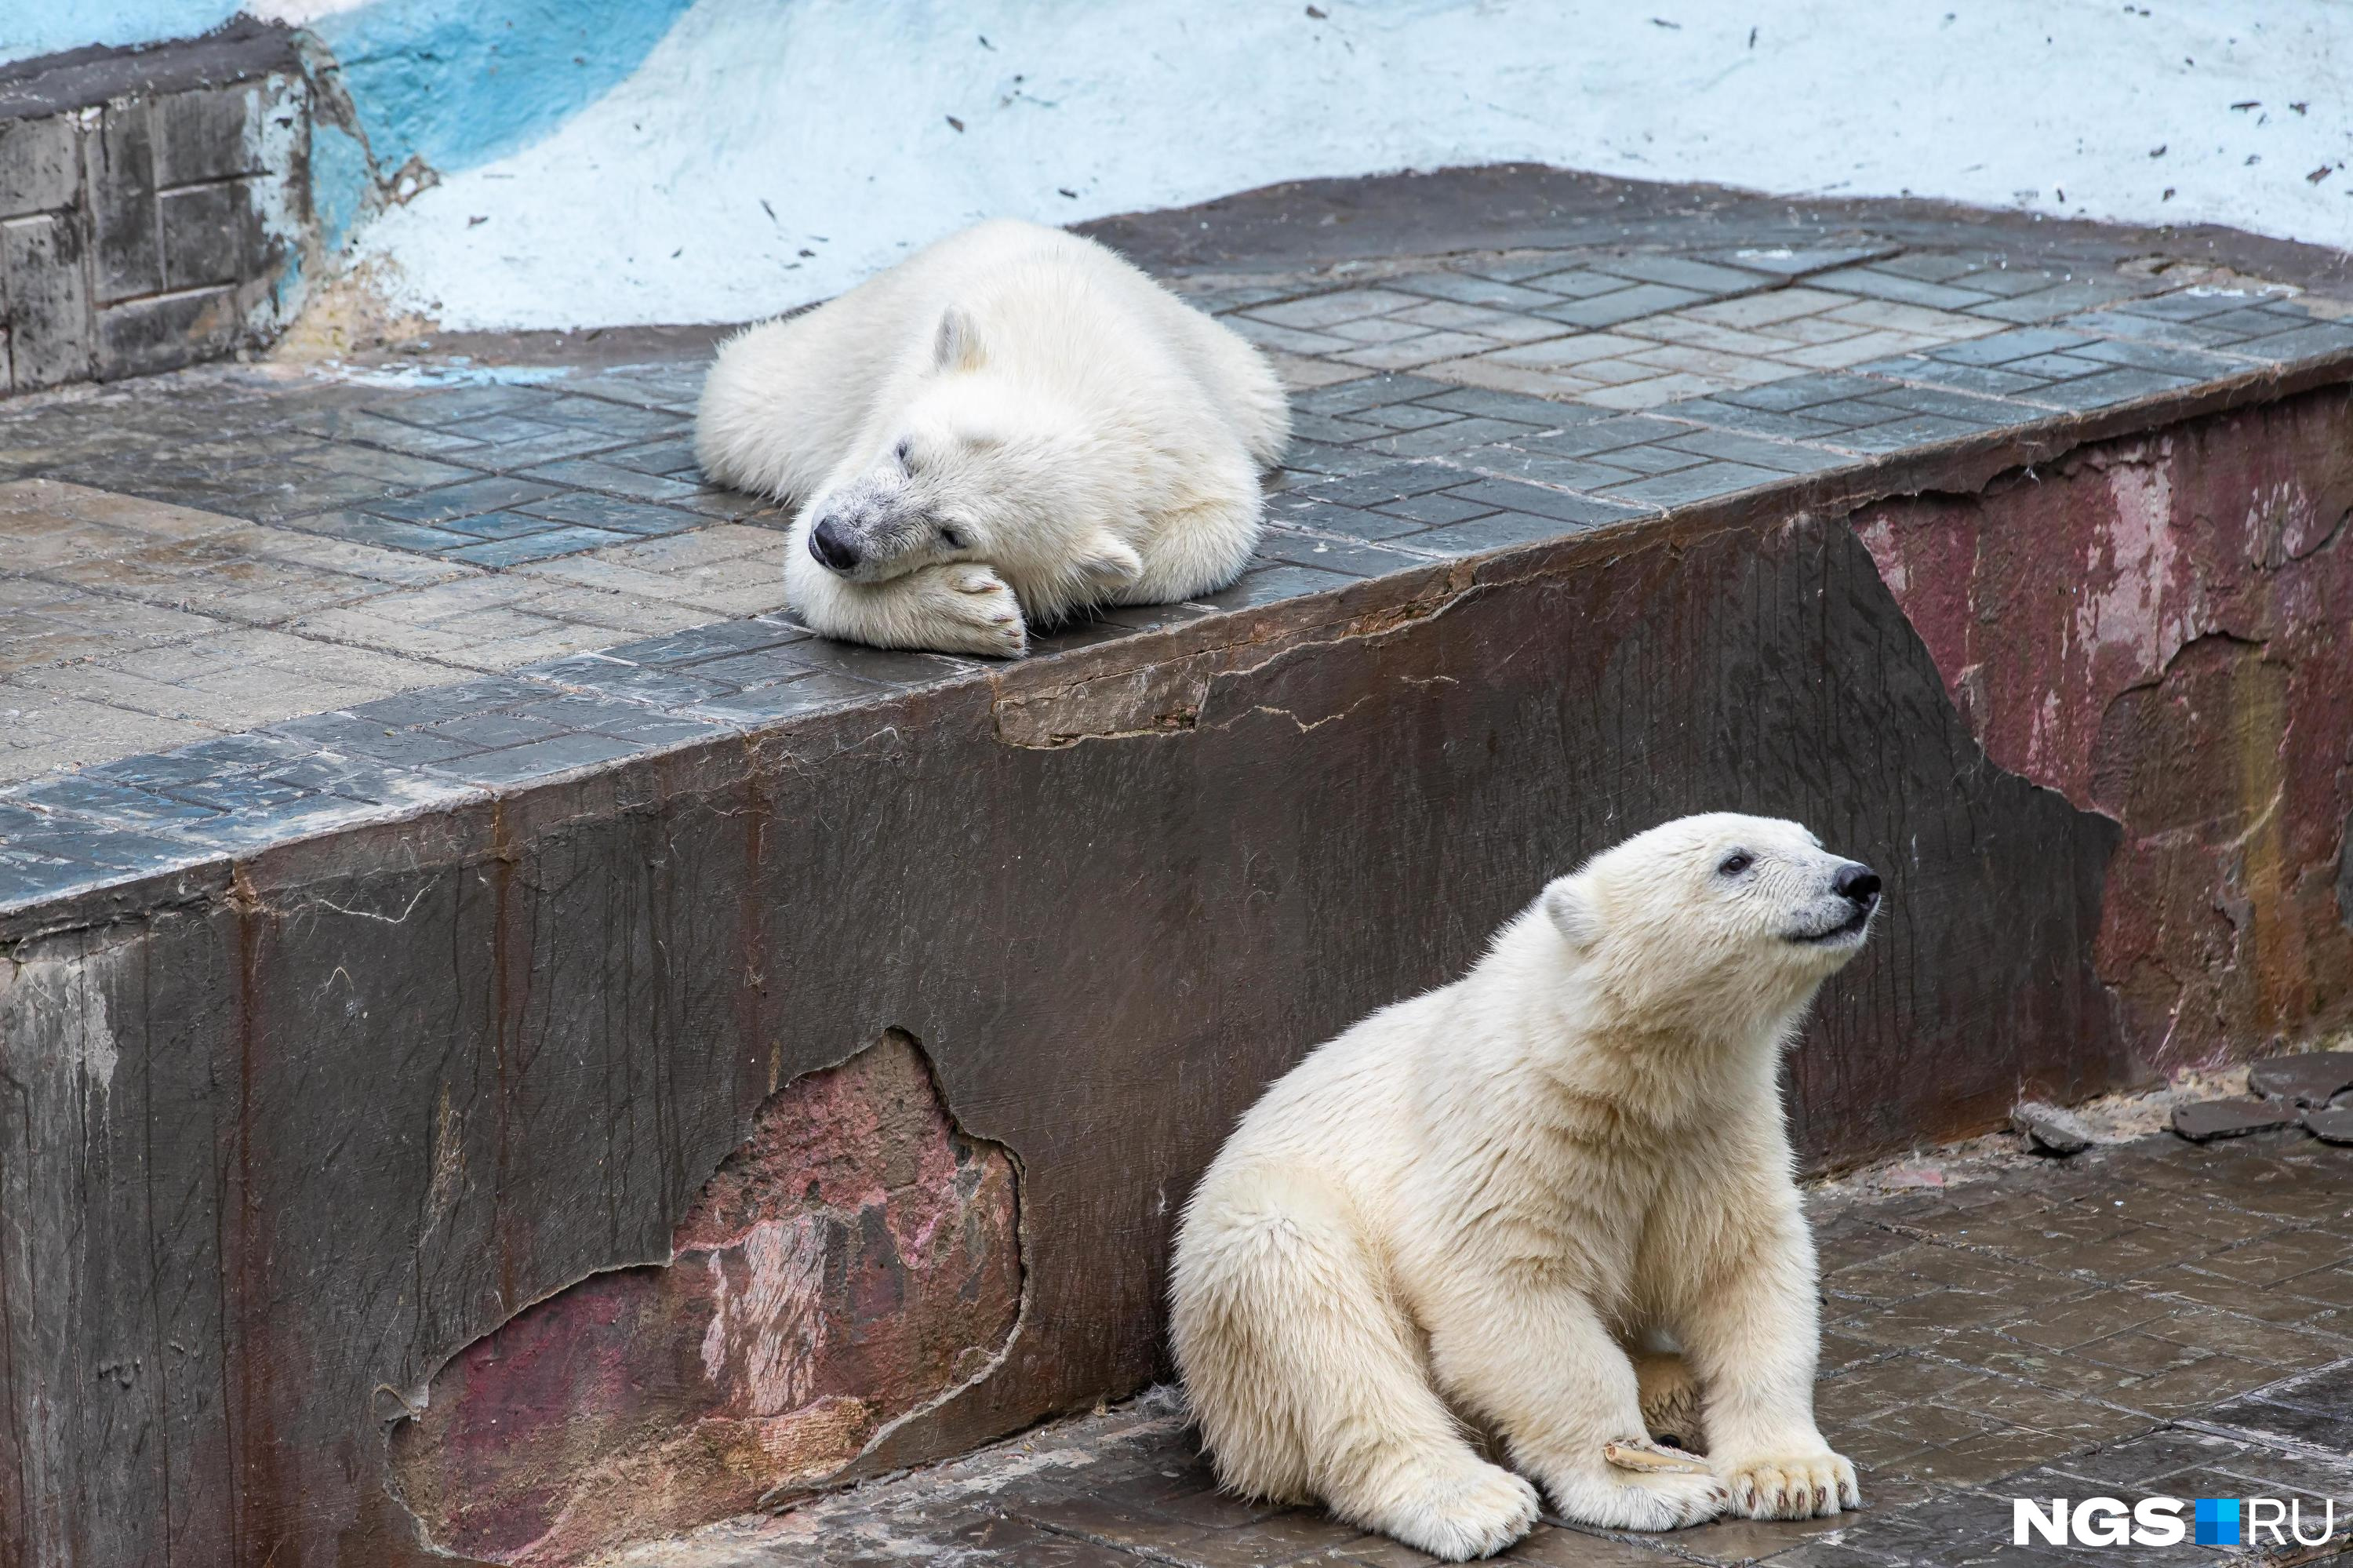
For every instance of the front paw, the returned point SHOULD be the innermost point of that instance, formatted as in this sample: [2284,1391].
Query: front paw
[1609,1498]
[968,609]
[1454,1508]
[1791,1486]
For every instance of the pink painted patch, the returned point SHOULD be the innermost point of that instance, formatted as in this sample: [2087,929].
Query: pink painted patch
[855,1258]
[2158,628]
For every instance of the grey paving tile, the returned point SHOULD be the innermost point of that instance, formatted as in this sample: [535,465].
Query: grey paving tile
[612,478]
[633,683]
[812,693]
[1739,447]
[1348,558]
[1990,412]
[2108,388]
[613,514]
[42,857]
[114,801]
[441,406]
[1796,392]
[1720,415]
[349,735]
[537,759]
[1390,482]
[1875,281]
[1551,504]
[1272,585]
[715,640]
[470,499]
[1387,521]
[1576,282]
[1429,511]
[2165,357]
[493,730]
[1626,305]
[360,528]
[541,547]
[1603,436]
[2323,339]
[1933,266]
[1688,486]
[1982,379]
[434,702]
[673,457]
[1480,402]
[1439,440]
[1498,530]
[1465,288]
[2062,299]
[1918,430]
[1795,260]
[1548,468]
[1345,398]
[887,667]
[1685,272]
[489,525]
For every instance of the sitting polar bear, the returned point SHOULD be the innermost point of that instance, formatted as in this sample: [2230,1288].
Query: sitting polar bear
[1502,1200]
[1009,427]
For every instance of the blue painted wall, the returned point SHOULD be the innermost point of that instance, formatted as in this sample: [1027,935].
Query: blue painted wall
[44,26]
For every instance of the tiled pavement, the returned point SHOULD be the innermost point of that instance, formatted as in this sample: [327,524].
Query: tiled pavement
[240,604]
[2149,1318]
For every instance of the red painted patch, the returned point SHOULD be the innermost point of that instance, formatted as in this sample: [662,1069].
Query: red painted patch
[857,1257]
[2163,630]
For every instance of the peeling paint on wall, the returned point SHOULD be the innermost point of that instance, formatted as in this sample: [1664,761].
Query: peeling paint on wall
[856,1258]
[2158,628]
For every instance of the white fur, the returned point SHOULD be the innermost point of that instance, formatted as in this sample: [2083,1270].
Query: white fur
[1498,1204]
[1086,435]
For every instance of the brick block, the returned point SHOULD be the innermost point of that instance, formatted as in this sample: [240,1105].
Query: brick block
[48,300]
[40,165]
[119,160]
[140,337]
[211,233]
[208,134]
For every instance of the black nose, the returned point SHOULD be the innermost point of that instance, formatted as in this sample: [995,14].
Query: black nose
[831,543]
[1856,884]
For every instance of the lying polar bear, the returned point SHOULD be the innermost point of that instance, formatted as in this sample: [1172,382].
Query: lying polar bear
[1005,428]
[1498,1201]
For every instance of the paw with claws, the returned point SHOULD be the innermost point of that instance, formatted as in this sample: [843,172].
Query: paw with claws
[1791,1486]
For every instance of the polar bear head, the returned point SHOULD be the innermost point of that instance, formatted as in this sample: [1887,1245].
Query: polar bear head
[975,463]
[1725,916]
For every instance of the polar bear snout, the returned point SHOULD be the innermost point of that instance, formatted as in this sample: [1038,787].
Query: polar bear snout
[1857,883]
[1844,917]
[835,546]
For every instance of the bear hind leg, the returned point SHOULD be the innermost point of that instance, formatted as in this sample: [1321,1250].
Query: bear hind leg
[1307,1380]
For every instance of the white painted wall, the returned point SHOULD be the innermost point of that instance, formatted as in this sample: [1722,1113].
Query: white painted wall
[648,206]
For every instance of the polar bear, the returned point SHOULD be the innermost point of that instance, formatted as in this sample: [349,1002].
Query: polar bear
[1504,1204]
[1009,427]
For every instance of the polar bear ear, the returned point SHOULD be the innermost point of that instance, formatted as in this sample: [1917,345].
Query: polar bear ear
[1108,562]
[1569,905]
[957,345]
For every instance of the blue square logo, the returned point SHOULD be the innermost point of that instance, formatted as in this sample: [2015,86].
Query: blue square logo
[2218,1522]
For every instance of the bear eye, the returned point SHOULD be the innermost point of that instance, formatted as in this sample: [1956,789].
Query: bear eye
[906,454]
[952,536]
[1735,863]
